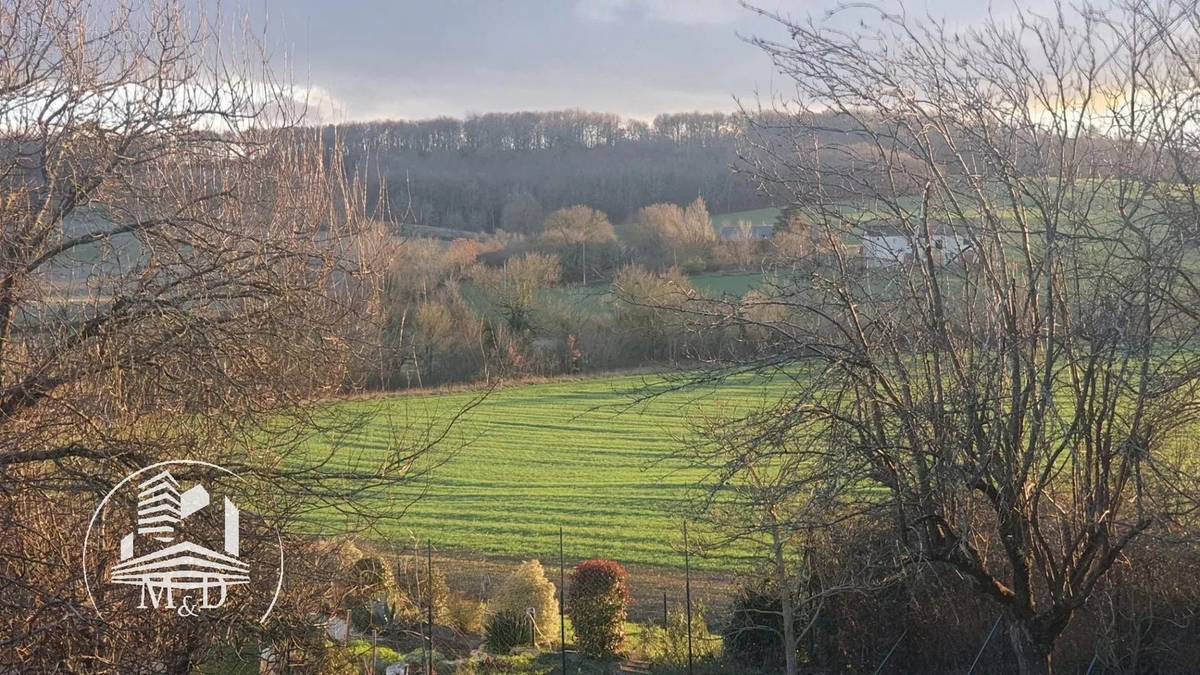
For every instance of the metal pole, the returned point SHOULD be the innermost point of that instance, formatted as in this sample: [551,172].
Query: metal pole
[424,642]
[889,654]
[687,577]
[562,610]
[983,646]
[429,605]
[664,609]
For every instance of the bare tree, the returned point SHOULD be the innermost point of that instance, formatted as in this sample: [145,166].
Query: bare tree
[762,495]
[181,276]
[514,290]
[572,229]
[670,227]
[1017,389]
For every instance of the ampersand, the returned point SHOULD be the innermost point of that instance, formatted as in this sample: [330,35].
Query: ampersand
[187,607]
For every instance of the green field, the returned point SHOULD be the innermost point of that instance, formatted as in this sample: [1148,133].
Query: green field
[765,216]
[726,283]
[534,457]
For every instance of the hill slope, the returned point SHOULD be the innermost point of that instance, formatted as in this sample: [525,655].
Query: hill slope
[535,457]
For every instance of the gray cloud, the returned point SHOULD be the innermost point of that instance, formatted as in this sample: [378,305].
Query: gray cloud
[369,59]
[665,11]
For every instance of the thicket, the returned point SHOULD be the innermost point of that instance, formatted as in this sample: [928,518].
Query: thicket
[392,594]
[512,305]
[667,645]
[1143,619]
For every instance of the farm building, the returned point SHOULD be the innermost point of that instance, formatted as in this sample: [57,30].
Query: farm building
[887,245]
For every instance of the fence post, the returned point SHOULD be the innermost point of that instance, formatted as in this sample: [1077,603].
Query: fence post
[562,607]
[664,609]
[687,589]
[532,616]
[429,604]
[889,654]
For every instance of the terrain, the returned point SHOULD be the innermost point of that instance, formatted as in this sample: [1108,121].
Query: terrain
[586,455]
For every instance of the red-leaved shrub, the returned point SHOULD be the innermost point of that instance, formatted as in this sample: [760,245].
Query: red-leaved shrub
[599,597]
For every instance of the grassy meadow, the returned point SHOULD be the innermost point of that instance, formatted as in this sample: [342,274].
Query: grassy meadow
[765,216]
[576,453]
[530,458]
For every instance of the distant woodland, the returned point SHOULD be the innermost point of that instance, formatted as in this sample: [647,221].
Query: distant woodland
[506,170]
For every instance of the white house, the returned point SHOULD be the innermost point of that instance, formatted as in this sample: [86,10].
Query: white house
[888,245]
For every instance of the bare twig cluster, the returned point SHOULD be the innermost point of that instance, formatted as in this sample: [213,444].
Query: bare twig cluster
[1015,391]
[183,271]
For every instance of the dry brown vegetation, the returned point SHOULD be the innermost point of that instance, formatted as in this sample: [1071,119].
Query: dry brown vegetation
[182,270]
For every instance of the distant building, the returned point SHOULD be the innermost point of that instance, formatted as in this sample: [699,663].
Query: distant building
[887,245]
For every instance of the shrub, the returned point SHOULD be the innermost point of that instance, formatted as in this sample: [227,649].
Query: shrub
[528,588]
[753,632]
[360,652]
[668,645]
[416,591]
[466,614]
[506,631]
[693,265]
[416,661]
[599,598]
[372,594]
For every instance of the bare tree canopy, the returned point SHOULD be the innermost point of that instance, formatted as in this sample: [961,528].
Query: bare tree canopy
[182,270]
[465,173]
[1013,386]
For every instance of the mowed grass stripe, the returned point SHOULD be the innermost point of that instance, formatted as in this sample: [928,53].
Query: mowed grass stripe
[530,459]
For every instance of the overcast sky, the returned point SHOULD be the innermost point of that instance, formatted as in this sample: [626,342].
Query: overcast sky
[370,59]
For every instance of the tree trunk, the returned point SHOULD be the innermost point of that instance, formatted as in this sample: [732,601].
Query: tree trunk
[1032,656]
[787,610]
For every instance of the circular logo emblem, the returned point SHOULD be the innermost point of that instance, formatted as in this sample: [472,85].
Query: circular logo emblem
[172,537]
